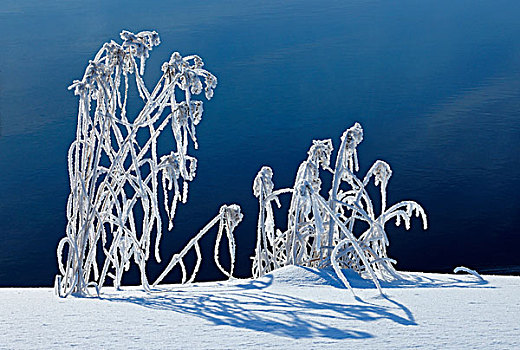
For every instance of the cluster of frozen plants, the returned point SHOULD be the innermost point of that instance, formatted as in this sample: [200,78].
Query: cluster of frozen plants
[322,232]
[116,172]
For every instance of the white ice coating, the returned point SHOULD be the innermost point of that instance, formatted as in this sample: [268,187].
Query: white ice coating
[470,271]
[115,169]
[321,232]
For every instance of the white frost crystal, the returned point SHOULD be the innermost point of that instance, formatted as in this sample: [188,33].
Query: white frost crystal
[113,206]
[321,232]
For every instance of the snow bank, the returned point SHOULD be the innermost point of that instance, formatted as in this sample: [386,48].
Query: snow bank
[297,276]
[288,308]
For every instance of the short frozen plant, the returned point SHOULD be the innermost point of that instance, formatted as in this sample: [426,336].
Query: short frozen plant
[321,232]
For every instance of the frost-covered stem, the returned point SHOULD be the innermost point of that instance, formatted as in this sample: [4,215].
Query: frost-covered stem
[276,193]
[336,181]
[337,269]
[357,209]
[177,257]
[260,236]
[352,239]
[470,271]
[227,222]
[291,249]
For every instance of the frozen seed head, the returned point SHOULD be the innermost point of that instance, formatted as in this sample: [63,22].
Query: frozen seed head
[353,137]
[382,173]
[232,215]
[264,179]
[320,152]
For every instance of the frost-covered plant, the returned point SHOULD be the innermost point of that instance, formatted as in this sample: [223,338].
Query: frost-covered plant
[321,232]
[115,169]
[228,218]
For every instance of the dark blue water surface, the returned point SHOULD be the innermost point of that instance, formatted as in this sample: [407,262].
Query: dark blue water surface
[435,84]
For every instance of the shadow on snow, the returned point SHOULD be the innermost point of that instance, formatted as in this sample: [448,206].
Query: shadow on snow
[248,304]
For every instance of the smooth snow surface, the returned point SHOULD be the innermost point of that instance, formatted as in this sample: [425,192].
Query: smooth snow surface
[292,307]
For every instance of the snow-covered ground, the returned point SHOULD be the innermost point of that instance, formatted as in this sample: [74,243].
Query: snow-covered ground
[293,307]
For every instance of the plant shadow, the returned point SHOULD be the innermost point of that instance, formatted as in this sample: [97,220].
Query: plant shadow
[250,305]
[423,280]
[408,280]
[253,305]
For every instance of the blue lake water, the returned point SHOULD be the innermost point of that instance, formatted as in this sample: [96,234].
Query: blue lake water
[435,84]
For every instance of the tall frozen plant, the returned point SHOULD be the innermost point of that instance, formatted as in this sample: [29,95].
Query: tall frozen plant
[114,166]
